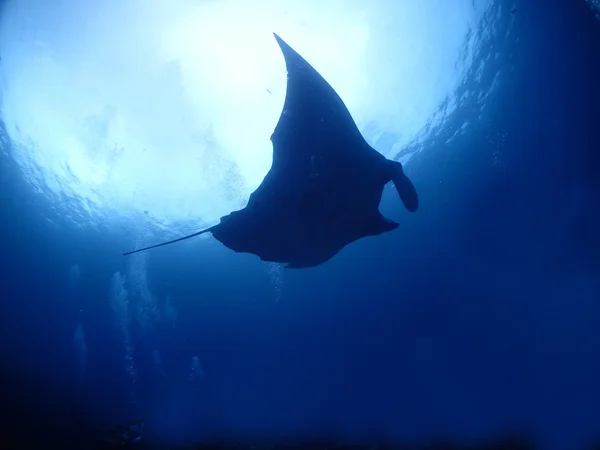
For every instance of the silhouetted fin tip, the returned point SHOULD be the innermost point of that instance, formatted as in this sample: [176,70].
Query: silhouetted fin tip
[284,46]
[406,190]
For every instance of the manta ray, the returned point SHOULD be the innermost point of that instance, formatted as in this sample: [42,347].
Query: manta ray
[324,186]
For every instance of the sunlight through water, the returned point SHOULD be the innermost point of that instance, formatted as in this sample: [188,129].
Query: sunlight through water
[159,113]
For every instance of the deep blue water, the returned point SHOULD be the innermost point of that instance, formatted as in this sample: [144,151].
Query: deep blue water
[480,315]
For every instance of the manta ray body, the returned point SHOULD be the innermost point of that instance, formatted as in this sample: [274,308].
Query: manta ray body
[324,186]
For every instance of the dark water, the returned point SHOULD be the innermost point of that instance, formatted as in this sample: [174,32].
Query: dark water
[480,316]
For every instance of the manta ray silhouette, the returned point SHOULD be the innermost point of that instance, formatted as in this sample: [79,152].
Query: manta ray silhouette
[324,186]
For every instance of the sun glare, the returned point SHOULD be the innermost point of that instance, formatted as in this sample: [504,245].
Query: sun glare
[166,108]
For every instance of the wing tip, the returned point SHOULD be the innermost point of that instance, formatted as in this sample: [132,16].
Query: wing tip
[405,188]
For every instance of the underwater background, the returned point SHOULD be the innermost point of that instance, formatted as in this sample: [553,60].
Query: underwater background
[479,316]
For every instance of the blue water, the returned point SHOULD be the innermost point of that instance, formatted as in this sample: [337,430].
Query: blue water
[479,316]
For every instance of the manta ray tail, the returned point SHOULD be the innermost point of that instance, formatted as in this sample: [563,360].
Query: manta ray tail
[171,242]
[405,188]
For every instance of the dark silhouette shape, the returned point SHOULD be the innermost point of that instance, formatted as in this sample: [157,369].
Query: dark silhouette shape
[324,186]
